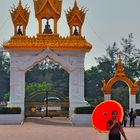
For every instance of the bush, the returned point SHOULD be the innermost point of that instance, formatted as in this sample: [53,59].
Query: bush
[84,110]
[138,112]
[10,110]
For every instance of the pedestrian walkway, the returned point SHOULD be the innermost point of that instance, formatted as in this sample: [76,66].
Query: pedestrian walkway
[57,128]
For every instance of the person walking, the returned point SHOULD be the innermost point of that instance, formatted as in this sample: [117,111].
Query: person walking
[125,118]
[115,127]
[132,116]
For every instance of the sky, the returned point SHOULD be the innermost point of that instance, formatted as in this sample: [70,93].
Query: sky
[106,21]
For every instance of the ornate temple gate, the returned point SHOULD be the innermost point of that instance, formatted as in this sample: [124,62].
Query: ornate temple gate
[52,106]
[69,52]
[121,76]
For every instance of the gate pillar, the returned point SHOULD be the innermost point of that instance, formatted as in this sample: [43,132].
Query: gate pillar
[76,89]
[132,102]
[107,97]
[17,87]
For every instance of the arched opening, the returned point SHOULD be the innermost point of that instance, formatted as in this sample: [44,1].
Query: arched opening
[120,93]
[19,30]
[75,30]
[48,26]
[47,90]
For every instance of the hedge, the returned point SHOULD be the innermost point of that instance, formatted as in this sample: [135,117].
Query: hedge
[84,110]
[10,110]
[138,112]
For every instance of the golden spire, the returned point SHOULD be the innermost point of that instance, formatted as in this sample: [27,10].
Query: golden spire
[54,7]
[120,66]
[47,9]
[75,17]
[75,3]
[70,13]
[20,3]
[20,16]
[120,69]
[24,12]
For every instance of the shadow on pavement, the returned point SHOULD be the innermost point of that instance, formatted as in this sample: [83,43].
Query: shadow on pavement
[50,121]
[57,121]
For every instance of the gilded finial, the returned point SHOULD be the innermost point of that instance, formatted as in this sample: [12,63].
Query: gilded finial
[75,3]
[20,2]
[120,69]
[20,17]
[120,62]
[75,18]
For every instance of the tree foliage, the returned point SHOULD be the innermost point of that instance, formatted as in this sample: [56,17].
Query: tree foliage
[51,73]
[33,87]
[4,74]
[130,55]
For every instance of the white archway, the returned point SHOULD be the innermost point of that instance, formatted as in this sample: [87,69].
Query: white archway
[68,51]
[121,76]
[71,61]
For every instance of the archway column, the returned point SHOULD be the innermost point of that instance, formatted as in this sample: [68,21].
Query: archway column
[17,88]
[76,89]
[107,97]
[132,101]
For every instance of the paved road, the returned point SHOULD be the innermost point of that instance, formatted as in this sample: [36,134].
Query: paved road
[57,129]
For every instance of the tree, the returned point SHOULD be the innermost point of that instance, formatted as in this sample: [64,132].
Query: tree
[107,62]
[131,57]
[119,93]
[93,83]
[4,74]
[51,73]
[35,90]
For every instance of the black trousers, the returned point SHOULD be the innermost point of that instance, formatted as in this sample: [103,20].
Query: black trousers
[132,121]
[114,136]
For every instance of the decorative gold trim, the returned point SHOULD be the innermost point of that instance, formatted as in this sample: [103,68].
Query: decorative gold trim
[120,76]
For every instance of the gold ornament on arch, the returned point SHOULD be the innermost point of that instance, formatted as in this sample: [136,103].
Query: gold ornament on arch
[120,76]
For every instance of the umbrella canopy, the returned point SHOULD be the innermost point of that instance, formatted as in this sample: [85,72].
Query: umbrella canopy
[103,112]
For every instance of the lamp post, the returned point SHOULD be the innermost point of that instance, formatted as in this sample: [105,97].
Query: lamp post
[46,103]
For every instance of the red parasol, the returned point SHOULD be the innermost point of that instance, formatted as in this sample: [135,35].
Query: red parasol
[102,113]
